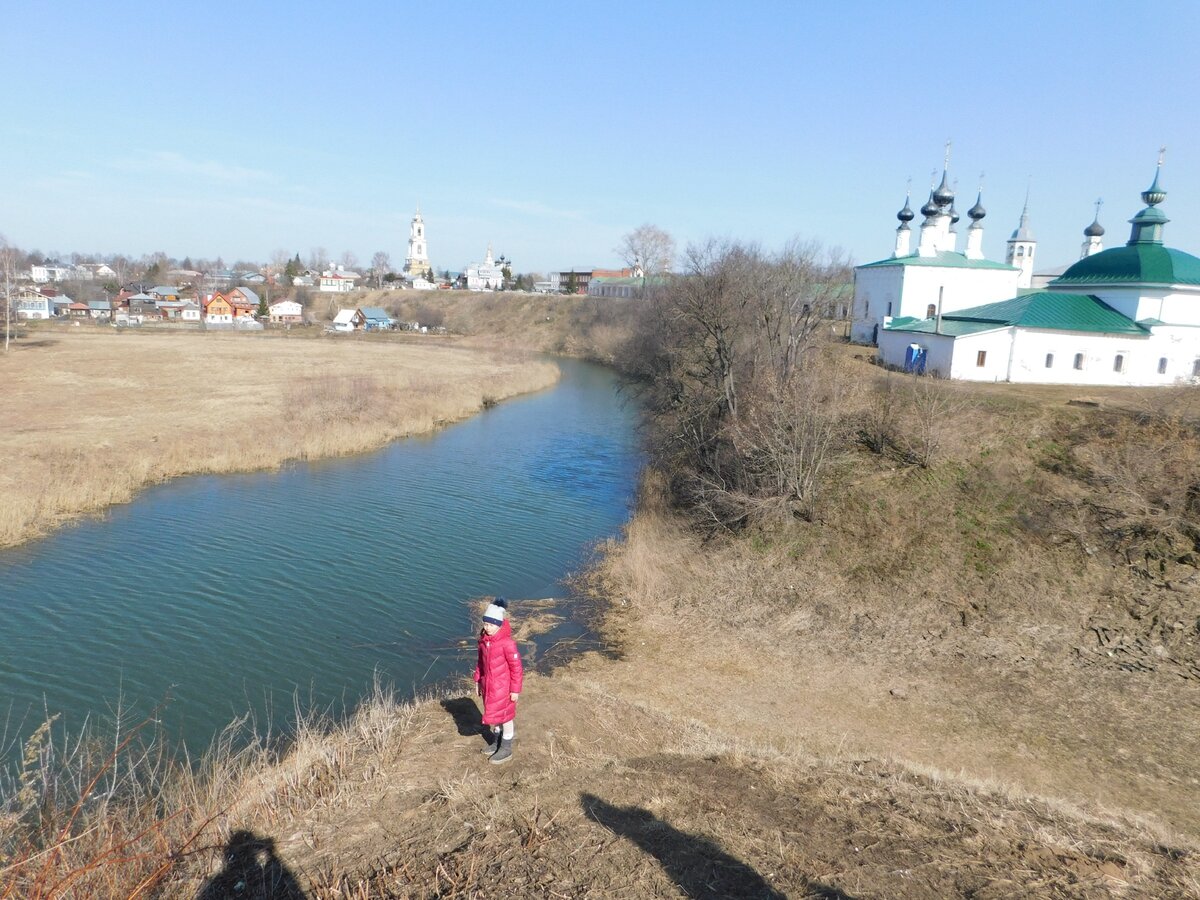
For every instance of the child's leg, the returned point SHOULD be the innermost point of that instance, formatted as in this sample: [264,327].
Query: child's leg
[508,729]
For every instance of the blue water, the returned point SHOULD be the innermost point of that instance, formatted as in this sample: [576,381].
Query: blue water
[233,593]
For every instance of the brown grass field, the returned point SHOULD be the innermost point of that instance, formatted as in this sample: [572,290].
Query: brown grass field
[91,416]
[977,677]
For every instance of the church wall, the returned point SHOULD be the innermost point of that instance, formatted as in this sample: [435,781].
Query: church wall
[962,288]
[995,345]
[874,289]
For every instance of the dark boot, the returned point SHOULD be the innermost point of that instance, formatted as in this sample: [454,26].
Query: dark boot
[493,741]
[504,754]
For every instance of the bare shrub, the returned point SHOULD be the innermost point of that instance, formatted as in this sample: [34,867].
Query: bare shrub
[726,358]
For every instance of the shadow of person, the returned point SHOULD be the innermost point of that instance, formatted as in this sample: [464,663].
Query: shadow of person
[252,872]
[467,716]
[697,865]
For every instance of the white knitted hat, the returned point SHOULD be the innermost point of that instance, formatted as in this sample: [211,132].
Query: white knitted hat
[495,611]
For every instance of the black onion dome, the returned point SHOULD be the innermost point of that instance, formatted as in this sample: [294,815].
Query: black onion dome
[954,216]
[906,214]
[930,208]
[977,211]
[1094,230]
[943,195]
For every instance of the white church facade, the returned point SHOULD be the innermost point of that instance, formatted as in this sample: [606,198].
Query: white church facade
[1125,316]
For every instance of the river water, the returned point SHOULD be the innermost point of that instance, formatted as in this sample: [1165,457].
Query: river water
[235,593]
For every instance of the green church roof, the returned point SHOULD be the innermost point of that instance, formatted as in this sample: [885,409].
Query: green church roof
[1040,309]
[944,258]
[1141,263]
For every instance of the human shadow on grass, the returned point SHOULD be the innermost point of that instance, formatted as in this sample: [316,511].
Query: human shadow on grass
[467,717]
[697,865]
[252,872]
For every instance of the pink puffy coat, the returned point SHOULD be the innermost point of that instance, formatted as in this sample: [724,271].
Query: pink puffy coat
[499,673]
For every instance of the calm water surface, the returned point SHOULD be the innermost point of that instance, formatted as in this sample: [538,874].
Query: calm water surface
[235,592]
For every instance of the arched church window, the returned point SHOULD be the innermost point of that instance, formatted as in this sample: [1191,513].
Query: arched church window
[1162,366]
[1049,360]
[931,310]
[1020,251]
[1119,362]
[889,312]
[1079,361]
[1196,368]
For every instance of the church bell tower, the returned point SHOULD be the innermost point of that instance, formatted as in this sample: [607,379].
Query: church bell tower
[416,264]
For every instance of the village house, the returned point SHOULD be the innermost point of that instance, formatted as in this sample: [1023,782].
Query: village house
[49,272]
[217,311]
[348,320]
[28,303]
[79,311]
[376,319]
[99,309]
[180,311]
[165,292]
[244,295]
[337,281]
[286,312]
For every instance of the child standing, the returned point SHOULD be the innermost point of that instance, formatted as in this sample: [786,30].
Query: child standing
[498,675]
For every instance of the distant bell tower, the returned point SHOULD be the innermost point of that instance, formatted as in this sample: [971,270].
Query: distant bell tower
[1021,247]
[416,264]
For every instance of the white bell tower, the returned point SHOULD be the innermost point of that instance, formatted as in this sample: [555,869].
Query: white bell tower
[1021,248]
[416,264]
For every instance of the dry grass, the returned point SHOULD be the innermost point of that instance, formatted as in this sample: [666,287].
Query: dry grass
[588,327]
[91,417]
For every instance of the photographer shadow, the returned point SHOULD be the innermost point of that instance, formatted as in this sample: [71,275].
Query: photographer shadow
[252,871]
[697,865]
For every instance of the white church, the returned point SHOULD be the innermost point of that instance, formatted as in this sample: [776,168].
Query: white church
[1125,316]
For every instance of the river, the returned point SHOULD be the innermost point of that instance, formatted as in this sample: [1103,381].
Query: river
[233,594]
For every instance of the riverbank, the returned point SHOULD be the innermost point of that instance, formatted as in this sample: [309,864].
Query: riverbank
[91,417]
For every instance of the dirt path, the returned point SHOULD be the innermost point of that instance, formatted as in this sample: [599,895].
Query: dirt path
[607,797]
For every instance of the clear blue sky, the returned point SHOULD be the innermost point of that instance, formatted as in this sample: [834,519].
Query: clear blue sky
[550,129]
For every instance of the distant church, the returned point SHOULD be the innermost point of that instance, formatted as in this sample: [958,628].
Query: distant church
[416,264]
[1125,316]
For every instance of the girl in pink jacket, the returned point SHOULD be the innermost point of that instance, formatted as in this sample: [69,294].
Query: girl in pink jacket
[498,675]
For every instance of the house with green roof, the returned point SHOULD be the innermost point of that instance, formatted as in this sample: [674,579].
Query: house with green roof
[1124,316]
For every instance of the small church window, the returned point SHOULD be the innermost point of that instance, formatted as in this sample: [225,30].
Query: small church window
[1162,366]
[889,312]
[1049,360]
[981,358]
[1196,369]
[931,310]
[1119,363]
[1020,251]
[1079,361]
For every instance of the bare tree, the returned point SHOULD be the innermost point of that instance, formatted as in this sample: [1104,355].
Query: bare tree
[648,250]
[381,264]
[349,260]
[318,258]
[8,254]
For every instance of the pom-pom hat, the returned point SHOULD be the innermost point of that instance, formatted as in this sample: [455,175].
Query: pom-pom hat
[495,611]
